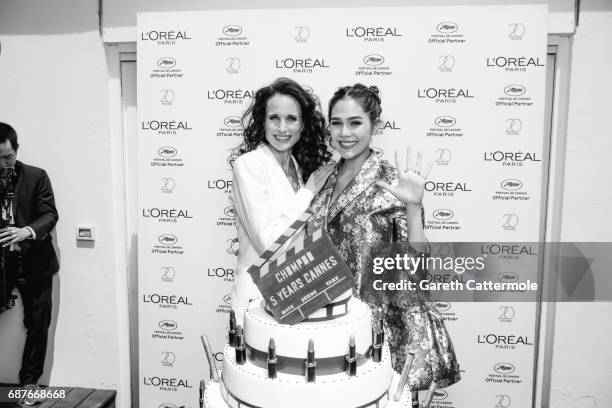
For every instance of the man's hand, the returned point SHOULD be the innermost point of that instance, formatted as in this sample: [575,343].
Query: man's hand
[12,235]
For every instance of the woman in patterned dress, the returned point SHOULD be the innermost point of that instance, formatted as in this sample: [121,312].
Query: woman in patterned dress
[365,203]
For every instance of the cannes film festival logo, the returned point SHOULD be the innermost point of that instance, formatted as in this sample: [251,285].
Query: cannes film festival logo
[443,156]
[373,60]
[511,184]
[507,313]
[166,62]
[227,299]
[167,97]
[510,222]
[517,30]
[515,90]
[448,63]
[167,359]
[167,185]
[443,214]
[167,239]
[503,401]
[233,65]
[504,368]
[168,273]
[168,325]
[232,30]
[514,126]
[447,27]
[302,33]
[232,246]
[445,121]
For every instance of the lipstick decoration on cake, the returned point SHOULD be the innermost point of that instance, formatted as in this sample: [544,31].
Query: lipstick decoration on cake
[272,367]
[405,372]
[240,348]
[212,366]
[310,363]
[351,358]
[232,329]
[380,315]
[377,347]
[430,394]
[202,389]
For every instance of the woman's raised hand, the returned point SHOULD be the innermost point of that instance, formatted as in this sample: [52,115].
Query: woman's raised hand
[317,180]
[411,184]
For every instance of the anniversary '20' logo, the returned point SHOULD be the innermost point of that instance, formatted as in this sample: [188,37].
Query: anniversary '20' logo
[159,37]
[232,35]
[447,63]
[513,126]
[168,273]
[301,34]
[446,32]
[444,95]
[444,126]
[516,31]
[372,33]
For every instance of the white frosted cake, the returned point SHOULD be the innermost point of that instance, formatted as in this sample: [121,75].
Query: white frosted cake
[352,364]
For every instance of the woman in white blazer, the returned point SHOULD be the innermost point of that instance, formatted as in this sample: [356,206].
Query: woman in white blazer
[283,146]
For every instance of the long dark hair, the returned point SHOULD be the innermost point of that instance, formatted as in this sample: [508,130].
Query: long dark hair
[310,151]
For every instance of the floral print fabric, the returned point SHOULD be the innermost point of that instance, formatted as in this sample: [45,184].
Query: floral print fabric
[361,222]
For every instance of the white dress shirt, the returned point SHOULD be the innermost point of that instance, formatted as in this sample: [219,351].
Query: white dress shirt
[265,205]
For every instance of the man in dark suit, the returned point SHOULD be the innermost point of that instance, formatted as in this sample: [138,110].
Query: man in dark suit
[30,259]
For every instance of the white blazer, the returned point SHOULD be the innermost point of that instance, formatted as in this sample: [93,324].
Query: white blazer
[265,205]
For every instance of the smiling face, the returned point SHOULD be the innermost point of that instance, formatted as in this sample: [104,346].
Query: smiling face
[283,123]
[351,129]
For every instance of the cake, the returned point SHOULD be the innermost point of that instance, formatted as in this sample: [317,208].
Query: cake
[335,358]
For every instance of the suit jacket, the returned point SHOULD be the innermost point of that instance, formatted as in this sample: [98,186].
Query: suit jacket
[265,205]
[34,206]
[362,222]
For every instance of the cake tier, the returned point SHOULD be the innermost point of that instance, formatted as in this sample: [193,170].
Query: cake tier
[338,307]
[247,385]
[331,338]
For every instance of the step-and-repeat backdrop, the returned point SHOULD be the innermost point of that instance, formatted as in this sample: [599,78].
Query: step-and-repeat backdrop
[465,84]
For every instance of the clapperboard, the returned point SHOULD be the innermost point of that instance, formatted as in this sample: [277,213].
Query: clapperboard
[304,278]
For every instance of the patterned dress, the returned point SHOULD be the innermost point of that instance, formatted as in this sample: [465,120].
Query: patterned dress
[366,218]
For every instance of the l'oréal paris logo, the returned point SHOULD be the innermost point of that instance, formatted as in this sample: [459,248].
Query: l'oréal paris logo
[514,64]
[164,37]
[372,34]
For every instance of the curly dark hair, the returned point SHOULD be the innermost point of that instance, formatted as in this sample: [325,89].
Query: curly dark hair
[310,151]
